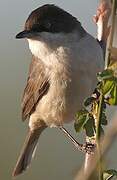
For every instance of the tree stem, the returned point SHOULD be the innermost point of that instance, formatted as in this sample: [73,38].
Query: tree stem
[99,115]
[98,134]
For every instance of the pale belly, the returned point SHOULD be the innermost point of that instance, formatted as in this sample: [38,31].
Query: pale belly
[64,99]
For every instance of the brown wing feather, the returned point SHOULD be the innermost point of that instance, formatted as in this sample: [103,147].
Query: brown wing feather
[37,86]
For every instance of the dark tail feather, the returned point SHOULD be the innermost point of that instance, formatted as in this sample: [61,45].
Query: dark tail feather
[28,151]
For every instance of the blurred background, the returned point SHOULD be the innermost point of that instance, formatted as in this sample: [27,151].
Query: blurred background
[55,158]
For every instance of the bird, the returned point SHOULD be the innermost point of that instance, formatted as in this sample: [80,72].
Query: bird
[62,73]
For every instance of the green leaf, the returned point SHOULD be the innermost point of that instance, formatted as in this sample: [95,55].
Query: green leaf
[109,174]
[103,115]
[89,101]
[81,112]
[106,74]
[81,120]
[90,126]
[107,87]
[80,123]
[113,99]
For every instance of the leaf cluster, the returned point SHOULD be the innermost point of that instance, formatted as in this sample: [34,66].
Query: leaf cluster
[107,86]
[85,121]
[109,174]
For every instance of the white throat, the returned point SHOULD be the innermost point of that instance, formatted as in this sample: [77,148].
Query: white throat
[38,48]
[53,48]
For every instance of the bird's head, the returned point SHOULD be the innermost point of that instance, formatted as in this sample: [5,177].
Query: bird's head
[49,18]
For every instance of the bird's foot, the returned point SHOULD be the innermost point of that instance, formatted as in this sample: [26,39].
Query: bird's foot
[88,148]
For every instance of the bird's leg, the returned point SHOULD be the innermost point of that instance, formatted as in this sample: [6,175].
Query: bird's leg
[87,148]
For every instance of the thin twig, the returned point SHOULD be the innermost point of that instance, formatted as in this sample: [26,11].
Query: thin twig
[98,134]
[112,132]
[99,115]
[101,19]
[106,144]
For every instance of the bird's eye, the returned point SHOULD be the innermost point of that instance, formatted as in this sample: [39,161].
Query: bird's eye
[44,27]
[47,25]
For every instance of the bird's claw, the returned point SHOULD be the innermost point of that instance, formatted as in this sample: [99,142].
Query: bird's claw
[88,148]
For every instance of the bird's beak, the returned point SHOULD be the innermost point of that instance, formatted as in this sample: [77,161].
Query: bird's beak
[25,34]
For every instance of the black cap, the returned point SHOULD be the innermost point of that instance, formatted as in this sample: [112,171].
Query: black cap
[49,18]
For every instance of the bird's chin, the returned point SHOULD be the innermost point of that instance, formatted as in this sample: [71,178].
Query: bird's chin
[37,48]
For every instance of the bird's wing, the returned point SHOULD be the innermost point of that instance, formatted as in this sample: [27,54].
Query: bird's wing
[37,86]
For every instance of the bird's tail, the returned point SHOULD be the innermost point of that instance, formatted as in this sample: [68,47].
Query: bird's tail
[28,151]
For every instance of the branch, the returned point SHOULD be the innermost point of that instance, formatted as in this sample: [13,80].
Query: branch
[106,144]
[101,19]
